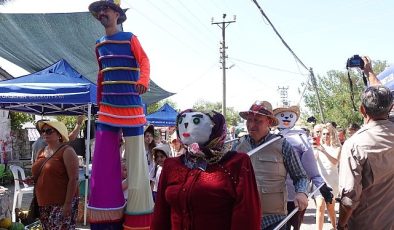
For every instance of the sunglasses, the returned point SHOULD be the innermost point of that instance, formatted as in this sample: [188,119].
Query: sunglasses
[48,131]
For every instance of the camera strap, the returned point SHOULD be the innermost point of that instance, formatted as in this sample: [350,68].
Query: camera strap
[351,90]
[365,80]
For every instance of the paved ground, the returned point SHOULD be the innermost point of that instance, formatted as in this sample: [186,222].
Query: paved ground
[309,220]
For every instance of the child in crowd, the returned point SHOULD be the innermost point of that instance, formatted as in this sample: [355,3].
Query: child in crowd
[160,153]
[124,178]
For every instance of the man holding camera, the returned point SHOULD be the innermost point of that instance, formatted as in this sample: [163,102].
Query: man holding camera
[366,165]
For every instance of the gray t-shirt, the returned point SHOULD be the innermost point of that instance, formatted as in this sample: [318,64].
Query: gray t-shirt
[36,147]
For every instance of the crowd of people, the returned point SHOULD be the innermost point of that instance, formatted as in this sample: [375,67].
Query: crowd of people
[352,165]
[197,180]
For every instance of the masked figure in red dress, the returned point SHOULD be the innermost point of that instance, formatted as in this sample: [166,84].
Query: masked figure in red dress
[207,187]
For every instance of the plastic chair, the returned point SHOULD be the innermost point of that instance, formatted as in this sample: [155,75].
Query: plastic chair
[19,190]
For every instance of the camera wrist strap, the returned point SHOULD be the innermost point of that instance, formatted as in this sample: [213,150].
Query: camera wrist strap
[351,91]
[365,80]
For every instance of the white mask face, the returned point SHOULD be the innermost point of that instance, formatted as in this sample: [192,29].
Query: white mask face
[287,120]
[194,127]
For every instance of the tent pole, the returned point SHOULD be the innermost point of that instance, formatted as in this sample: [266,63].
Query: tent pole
[87,156]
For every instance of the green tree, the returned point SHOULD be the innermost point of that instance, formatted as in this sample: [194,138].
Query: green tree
[69,121]
[232,117]
[18,119]
[335,96]
[155,106]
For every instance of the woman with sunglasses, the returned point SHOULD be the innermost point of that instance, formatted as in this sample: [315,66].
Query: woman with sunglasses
[327,155]
[55,174]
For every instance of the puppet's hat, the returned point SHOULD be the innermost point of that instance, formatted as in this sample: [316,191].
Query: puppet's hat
[295,109]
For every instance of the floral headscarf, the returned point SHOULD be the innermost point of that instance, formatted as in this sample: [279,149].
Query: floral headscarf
[198,156]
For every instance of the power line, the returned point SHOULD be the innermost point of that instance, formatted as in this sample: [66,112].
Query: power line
[280,37]
[185,28]
[312,75]
[175,37]
[201,76]
[266,66]
[194,16]
[180,41]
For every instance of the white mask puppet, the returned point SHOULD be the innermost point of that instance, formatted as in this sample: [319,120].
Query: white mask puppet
[194,127]
[287,117]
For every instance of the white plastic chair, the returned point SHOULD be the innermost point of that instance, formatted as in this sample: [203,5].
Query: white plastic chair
[19,190]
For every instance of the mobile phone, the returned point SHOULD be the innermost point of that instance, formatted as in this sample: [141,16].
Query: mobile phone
[316,141]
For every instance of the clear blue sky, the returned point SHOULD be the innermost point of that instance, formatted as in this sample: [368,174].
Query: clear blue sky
[183,46]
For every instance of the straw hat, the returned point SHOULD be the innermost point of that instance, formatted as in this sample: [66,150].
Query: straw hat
[295,109]
[263,108]
[59,126]
[113,4]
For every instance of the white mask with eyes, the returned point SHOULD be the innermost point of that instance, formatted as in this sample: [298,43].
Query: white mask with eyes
[194,127]
[286,119]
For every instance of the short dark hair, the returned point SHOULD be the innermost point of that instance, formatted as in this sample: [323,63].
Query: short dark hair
[354,126]
[333,123]
[377,101]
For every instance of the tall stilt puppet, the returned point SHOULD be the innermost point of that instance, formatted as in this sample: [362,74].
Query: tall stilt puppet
[287,117]
[123,76]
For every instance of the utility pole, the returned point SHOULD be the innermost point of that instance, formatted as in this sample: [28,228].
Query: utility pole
[222,25]
[313,79]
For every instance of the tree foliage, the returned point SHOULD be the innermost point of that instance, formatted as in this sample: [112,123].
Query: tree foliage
[232,117]
[18,119]
[69,121]
[335,96]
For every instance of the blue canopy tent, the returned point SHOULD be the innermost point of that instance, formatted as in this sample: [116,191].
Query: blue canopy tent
[165,116]
[387,77]
[55,90]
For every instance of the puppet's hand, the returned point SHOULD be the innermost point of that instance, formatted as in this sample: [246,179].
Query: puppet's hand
[140,89]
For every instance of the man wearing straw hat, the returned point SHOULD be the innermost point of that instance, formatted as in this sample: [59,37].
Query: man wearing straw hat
[123,76]
[271,165]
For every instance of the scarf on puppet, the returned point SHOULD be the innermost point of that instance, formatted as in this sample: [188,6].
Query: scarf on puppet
[204,135]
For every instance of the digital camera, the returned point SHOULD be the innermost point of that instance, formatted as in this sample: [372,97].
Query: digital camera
[355,62]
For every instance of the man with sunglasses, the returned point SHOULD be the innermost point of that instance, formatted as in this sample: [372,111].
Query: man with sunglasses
[366,169]
[122,78]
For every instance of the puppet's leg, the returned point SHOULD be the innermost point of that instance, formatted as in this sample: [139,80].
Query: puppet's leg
[106,201]
[139,203]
